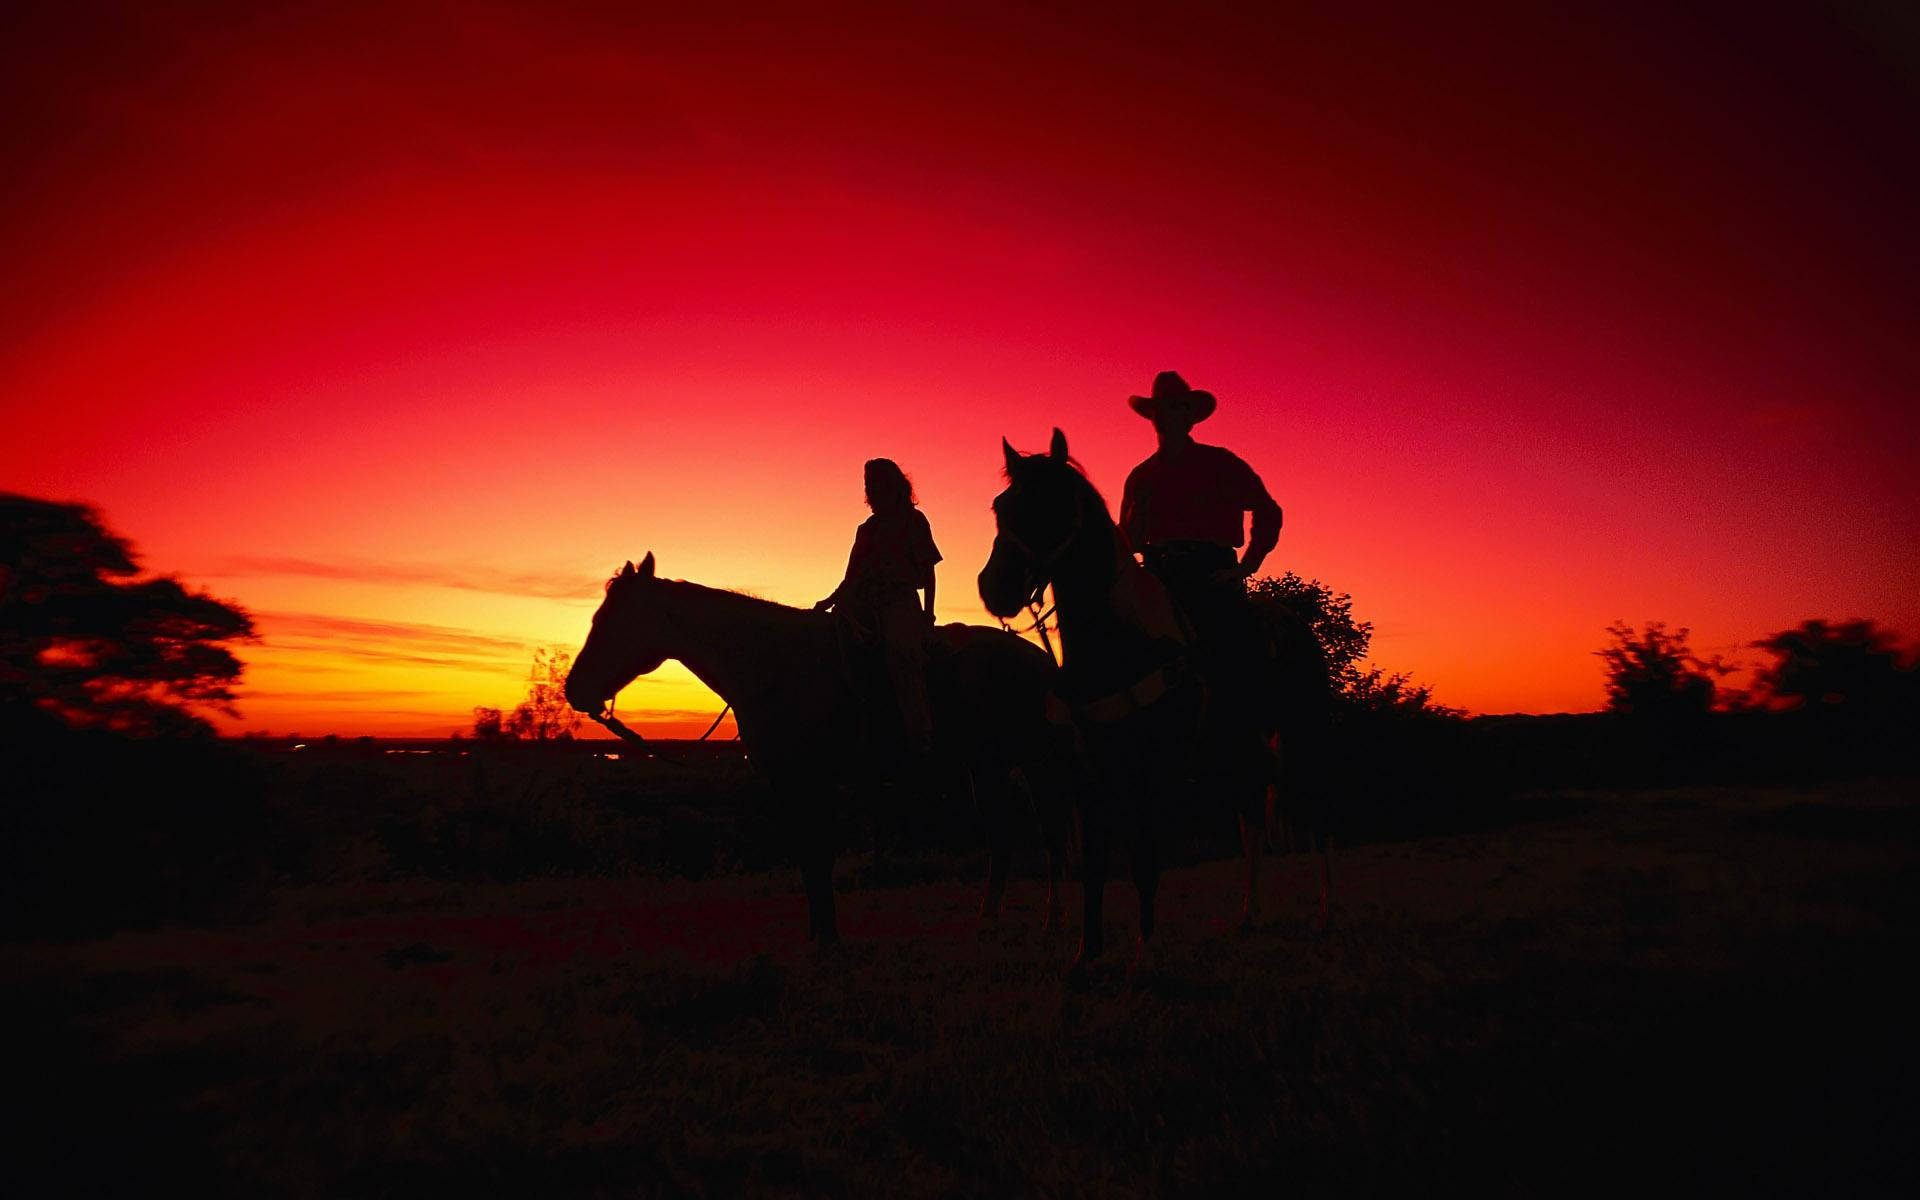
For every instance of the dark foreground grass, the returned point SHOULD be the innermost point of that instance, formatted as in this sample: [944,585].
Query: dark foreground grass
[1660,991]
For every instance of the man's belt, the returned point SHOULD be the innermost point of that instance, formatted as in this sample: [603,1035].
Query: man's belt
[1189,555]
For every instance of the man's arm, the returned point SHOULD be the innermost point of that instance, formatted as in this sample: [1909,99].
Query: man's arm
[929,586]
[1132,520]
[1267,518]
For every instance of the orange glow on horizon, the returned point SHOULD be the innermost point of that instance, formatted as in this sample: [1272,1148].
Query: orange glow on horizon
[405,351]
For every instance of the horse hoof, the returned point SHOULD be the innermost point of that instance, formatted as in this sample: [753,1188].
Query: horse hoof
[1145,964]
[1080,972]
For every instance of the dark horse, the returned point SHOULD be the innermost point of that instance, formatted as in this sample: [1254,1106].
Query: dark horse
[801,693]
[1132,693]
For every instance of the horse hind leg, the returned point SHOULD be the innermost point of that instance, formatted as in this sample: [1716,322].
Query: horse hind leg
[992,801]
[816,873]
[1326,881]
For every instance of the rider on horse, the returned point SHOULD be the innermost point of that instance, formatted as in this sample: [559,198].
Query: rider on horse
[1184,508]
[891,563]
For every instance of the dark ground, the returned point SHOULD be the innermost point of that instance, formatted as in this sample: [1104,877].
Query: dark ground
[1661,989]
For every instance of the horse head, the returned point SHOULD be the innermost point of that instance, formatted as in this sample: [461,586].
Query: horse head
[1037,520]
[623,643]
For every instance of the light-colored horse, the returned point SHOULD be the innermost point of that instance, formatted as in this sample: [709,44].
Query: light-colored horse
[813,713]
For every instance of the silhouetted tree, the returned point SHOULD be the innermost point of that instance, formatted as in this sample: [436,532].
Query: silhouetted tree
[545,715]
[1652,672]
[1329,614]
[84,640]
[1853,666]
[1345,642]
[487,726]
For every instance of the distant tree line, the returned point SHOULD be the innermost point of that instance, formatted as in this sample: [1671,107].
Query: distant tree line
[1846,668]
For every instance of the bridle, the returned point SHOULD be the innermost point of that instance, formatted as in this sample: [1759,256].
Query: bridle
[614,725]
[1039,567]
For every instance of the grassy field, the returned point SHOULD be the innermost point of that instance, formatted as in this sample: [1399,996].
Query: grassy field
[1658,990]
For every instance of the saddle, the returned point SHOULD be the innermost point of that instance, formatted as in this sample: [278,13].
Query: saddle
[1213,638]
[863,656]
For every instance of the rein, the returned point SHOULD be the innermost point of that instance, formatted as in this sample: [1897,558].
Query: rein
[1039,625]
[618,728]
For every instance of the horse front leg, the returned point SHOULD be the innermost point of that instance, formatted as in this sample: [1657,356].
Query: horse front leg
[1047,792]
[816,873]
[1144,851]
[1258,786]
[1053,836]
[813,833]
[1096,837]
[1252,846]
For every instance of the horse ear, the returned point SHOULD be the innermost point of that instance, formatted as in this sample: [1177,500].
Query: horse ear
[646,566]
[628,569]
[1057,448]
[1013,456]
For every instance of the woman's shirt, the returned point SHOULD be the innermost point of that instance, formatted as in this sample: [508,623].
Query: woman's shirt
[893,553]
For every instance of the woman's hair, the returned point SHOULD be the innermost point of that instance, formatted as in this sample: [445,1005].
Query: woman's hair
[888,487]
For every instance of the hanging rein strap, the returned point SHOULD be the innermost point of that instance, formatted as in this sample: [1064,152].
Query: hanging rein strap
[1040,619]
[1041,567]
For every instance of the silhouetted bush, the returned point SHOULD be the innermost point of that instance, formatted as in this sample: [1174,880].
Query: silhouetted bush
[101,831]
[1653,674]
[1851,667]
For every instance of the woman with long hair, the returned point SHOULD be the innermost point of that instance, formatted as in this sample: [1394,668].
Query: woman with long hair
[891,564]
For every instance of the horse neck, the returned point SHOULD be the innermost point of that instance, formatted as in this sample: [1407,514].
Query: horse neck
[1093,632]
[728,641]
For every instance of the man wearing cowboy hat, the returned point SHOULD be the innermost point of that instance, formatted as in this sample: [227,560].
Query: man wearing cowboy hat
[1185,510]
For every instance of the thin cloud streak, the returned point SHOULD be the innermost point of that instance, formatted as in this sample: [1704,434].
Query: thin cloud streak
[445,638]
[491,580]
[356,697]
[474,663]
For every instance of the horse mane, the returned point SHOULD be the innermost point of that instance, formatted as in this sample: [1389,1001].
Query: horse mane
[714,595]
[1070,470]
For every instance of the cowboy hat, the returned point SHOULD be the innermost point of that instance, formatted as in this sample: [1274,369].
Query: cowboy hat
[1171,392]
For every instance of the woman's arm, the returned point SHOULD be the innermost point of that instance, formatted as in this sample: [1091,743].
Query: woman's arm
[929,586]
[853,556]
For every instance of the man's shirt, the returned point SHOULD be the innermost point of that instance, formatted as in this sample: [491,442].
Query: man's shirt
[1196,493]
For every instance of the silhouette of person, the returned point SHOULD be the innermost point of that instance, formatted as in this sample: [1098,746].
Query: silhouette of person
[1185,510]
[892,560]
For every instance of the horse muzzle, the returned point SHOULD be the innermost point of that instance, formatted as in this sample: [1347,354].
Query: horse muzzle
[581,700]
[1004,592]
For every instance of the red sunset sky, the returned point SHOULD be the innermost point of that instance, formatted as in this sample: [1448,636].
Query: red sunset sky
[403,326]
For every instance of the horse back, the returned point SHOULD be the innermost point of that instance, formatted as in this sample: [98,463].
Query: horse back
[987,685]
